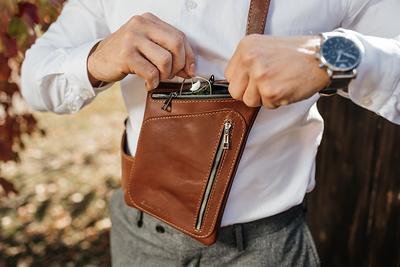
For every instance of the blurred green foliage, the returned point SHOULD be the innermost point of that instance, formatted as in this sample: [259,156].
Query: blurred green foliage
[47,217]
[21,22]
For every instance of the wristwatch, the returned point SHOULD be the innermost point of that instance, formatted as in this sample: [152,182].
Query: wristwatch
[340,56]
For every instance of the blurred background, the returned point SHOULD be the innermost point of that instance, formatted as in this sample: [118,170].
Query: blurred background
[57,172]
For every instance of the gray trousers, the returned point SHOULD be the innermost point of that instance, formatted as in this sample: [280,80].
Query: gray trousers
[140,240]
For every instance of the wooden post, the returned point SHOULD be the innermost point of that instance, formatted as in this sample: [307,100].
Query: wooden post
[354,212]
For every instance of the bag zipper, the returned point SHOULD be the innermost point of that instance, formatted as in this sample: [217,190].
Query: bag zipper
[224,145]
[174,95]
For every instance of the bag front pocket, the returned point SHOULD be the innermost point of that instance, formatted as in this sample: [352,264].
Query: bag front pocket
[183,167]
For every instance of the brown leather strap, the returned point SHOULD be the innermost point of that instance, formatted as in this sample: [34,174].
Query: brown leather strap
[258,13]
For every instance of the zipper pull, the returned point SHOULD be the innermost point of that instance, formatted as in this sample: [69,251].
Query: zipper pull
[227,132]
[167,103]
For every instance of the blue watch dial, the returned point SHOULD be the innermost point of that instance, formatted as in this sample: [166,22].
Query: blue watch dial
[341,53]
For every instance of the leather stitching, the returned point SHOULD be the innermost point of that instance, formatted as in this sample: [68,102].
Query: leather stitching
[196,101]
[146,208]
[214,220]
[265,16]
[250,17]
[219,135]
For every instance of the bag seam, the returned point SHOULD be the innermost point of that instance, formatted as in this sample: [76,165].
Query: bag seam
[230,171]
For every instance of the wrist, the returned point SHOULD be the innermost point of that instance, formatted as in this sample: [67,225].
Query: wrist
[339,56]
[91,68]
[312,45]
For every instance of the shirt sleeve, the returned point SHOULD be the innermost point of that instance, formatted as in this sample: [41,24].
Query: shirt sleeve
[376,24]
[54,73]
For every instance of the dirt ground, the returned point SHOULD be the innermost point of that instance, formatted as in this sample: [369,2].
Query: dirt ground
[60,216]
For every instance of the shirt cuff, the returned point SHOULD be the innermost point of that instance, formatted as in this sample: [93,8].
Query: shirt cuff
[376,86]
[80,90]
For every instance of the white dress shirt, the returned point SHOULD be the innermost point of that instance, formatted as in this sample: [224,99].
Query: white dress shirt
[278,164]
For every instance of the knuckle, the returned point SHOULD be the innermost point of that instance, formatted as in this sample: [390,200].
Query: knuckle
[165,60]
[262,75]
[137,20]
[180,37]
[147,15]
[152,74]
[178,41]
[250,56]
[125,52]
[250,102]
[272,93]
[127,39]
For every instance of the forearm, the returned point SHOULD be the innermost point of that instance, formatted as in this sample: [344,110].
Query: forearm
[54,72]
[55,79]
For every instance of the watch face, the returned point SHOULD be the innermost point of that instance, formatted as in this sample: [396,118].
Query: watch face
[340,54]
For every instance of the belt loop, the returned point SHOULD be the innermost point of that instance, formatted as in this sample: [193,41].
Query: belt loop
[238,229]
[140,219]
[305,204]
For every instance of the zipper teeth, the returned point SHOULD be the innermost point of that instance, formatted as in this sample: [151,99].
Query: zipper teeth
[220,152]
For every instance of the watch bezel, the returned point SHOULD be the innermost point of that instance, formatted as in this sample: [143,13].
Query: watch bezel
[333,67]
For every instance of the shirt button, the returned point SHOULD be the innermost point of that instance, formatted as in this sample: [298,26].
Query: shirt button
[190,4]
[160,229]
[366,101]
[74,108]
[86,94]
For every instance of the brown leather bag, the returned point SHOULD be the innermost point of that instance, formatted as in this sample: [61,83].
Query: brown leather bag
[188,152]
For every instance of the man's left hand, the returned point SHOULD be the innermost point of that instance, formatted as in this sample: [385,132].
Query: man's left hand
[275,71]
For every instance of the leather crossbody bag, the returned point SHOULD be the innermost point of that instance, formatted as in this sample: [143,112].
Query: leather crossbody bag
[188,151]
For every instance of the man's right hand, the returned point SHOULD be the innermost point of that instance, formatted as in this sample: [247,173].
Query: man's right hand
[145,46]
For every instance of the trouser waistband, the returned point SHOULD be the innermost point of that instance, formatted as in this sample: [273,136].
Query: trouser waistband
[249,230]
[235,235]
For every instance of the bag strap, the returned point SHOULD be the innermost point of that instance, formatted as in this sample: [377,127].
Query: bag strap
[258,13]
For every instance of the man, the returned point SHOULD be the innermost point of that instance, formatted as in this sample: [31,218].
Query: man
[140,43]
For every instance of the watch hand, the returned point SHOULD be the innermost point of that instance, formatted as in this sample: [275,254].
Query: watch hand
[340,52]
[349,55]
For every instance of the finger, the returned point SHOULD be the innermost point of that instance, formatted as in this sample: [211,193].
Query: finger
[238,85]
[158,56]
[143,68]
[190,64]
[183,74]
[190,60]
[251,96]
[269,102]
[230,68]
[171,39]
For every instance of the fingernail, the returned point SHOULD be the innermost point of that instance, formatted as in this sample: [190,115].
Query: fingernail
[284,103]
[155,84]
[192,69]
